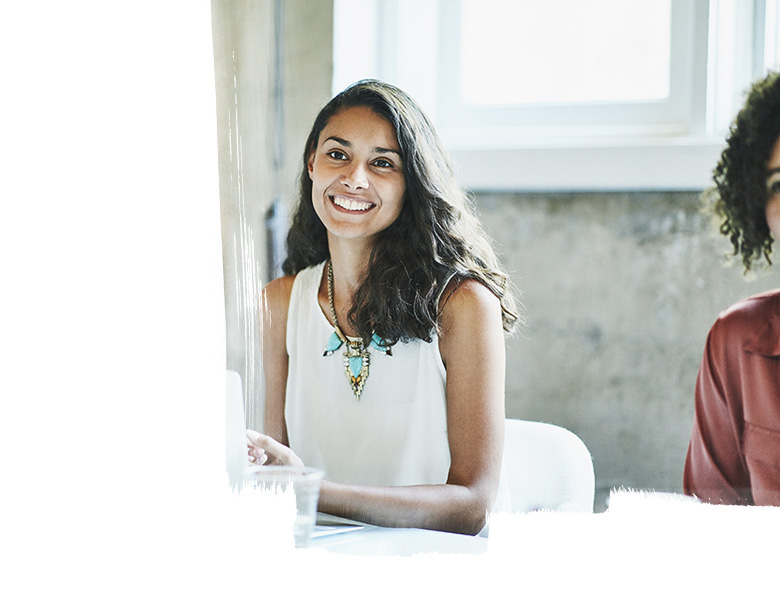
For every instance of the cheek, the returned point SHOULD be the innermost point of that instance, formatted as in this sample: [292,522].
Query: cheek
[400,195]
[773,216]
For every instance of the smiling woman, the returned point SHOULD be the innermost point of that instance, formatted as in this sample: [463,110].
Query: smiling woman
[383,344]
[357,175]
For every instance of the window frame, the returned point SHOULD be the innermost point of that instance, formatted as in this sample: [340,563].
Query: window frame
[672,151]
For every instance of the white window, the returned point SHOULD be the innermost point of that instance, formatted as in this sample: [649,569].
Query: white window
[567,94]
[603,51]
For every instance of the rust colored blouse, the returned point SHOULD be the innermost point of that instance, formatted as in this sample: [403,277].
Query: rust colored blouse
[734,452]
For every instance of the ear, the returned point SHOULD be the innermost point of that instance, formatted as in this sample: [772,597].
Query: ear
[310,165]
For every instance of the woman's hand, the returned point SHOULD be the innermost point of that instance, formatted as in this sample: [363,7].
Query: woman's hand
[264,450]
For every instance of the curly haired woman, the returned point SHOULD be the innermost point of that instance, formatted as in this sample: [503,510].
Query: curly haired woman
[383,345]
[734,452]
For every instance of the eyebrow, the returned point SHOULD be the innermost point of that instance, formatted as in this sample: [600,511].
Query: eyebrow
[772,171]
[377,149]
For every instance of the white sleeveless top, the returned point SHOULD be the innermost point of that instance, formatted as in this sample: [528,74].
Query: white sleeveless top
[396,434]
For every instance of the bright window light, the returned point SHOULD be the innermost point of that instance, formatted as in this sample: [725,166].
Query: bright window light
[521,52]
[772,35]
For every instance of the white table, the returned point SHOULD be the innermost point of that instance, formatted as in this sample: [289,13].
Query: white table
[371,540]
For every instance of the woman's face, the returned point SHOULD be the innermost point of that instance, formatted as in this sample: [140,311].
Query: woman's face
[357,174]
[773,188]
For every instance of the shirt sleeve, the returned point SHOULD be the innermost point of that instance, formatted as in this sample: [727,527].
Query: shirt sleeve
[715,467]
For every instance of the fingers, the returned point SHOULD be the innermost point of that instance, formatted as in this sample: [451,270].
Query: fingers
[264,442]
[265,450]
[257,456]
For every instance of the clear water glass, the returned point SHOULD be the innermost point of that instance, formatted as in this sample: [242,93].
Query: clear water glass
[305,483]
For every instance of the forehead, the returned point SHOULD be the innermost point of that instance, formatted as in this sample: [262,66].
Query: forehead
[360,124]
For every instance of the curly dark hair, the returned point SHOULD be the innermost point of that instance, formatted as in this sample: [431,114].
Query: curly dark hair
[436,237]
[739,196]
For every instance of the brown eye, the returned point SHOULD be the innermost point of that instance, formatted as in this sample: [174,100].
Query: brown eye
[337,154]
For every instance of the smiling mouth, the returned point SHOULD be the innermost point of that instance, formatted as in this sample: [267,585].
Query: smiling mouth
[351,204]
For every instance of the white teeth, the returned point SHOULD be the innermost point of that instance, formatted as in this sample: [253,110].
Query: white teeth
[349,204]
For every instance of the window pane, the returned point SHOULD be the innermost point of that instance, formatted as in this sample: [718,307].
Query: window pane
[772,35]
[564,51]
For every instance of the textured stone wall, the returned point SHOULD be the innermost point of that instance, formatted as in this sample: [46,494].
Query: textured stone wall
[619,291]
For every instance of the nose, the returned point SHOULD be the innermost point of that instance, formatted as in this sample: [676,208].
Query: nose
[355,177]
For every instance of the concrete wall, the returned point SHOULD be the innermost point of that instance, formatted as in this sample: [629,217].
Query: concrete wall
[620,290]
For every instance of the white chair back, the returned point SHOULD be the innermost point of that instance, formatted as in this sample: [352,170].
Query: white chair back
[547,467]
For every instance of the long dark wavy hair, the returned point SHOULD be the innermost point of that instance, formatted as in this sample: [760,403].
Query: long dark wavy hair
[436,237]
[739,196]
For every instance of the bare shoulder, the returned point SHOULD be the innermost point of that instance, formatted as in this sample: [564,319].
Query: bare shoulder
[275,299]
[468,302]
[471,338]
[467,296]
[278,290]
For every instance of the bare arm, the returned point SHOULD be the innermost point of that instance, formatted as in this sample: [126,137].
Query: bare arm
[274,301]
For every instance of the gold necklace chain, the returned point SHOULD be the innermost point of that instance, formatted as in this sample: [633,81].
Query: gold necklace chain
[356,356]
[356,344]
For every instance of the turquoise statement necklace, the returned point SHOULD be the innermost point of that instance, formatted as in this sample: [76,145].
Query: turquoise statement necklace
[356,355]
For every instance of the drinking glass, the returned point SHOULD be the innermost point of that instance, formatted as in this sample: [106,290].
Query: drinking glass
[305,483]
